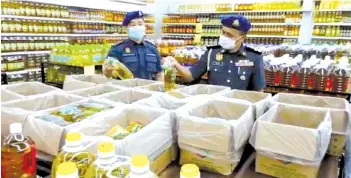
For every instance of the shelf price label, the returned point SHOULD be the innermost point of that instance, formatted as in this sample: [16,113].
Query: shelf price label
[197,39]
[198,28]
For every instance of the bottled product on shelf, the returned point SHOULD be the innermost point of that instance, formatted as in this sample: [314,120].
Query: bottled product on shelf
[180,19]
[332,31]
[269,41]
[205,8]
[18,154]
[67,170]
[178,29]
[209,41]
[189,171]
[73,151]
[271,5]
[167,46]
[332,17]
[149,19]
[333,4]
[290,30]
[140,167]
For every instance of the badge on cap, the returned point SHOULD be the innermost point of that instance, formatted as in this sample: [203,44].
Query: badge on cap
[236,22]
[127,50]
[219,56]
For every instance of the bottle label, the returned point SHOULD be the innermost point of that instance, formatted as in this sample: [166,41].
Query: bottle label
[29,160]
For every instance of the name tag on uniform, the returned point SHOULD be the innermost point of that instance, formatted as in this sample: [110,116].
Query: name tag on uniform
[154,55]
[244,63]
[217,63]
[126,55]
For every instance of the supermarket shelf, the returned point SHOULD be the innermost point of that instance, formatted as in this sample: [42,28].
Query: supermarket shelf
[64,35]
[333,10]
[331,38]
[233,12]
[217,35]
[178,34]
[24,52]
[221,24]
[23,71]
[271,36]
[332,24]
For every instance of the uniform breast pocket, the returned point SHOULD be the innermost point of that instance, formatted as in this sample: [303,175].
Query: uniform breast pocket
[244,76]
[151,63]
[131,62]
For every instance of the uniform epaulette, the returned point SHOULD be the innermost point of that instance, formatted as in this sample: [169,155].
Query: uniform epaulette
[149,42]
[213,47]
[118,43]
[252,50]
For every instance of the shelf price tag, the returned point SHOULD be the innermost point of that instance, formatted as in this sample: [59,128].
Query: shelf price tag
[198,28]
[197,39]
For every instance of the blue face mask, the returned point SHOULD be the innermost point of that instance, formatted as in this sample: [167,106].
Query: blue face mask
[136,33]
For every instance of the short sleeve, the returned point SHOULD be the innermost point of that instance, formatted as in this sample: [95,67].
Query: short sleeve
[257,80]
[200,68]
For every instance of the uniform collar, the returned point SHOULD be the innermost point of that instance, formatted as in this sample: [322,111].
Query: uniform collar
[131,42]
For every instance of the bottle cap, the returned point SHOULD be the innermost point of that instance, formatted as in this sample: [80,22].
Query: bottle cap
[140,164]
[16,128]
[73,137]
[190,171]
[67,170]
[106,150]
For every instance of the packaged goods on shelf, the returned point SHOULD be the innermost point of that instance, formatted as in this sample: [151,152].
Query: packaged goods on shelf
[332,31]
[339,111]
[96,90]
[56,122]
[30,88]
[132,83]
[282,5]
[201,89]
[329,5]
[259,100]
[127,96]
[8,95]
[158,87]
[331,17]
[75,82]
[298,135]
[205,133]
[17,110]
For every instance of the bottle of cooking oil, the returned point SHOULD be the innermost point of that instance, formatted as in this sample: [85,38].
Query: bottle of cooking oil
[67,170]
[18,155]
[74,151]
[140,167]
[108,164]
[170,75]
[119,69]
[190,171]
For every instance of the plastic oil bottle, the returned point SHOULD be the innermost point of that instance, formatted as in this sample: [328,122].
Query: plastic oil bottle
[108,164]
[119,69]
[170,75]
[18,155]
[190,171]
[140,168]
[74,151]
[67,170]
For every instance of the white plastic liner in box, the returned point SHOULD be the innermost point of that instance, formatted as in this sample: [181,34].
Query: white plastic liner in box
[30,88]
[127,96]
[132,83]
[158,87]
[216,127]
[152,140]
[9,96]
[75,82]
[18,110]
[96,90]
[259,99]
[298,134]
[49,136]
[200,89]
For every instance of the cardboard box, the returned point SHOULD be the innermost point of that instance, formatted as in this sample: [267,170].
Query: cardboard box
[8,95]
[132,83]
[49,136]
[339,111]
[158,87]
[127,96]
[96,90]
[27,89]
[201,89]
[260,100]
[18,110]
[159,164]
[75,82]
[294,131]
[283,169]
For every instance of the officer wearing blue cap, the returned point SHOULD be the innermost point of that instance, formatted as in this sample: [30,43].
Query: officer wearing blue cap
[230,63]
[140,56]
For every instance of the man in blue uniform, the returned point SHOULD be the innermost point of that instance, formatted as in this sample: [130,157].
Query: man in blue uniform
[230,63]
[140,56]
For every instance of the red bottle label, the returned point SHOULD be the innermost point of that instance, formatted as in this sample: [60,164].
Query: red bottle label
[276,79]
[293,81]
[329,84]
[29,161]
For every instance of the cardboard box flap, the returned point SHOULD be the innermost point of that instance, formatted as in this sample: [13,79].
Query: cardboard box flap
[9,96]
[131,83]
[30,88]
[127,96]
[293,131]
[163,101]
[96,90]
[75,82]
[201,89]
[218,124]
[158,87]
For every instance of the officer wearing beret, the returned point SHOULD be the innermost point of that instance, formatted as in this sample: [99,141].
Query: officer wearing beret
[230,63]
[140,56]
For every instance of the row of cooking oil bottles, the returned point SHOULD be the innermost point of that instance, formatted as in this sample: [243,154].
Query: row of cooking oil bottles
[18,159]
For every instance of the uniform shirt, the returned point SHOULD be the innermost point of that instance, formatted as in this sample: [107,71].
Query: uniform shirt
[143,60]
[241,70]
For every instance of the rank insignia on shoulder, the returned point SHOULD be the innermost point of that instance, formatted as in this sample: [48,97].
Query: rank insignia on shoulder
[244,54]
[219,56]
[127,50]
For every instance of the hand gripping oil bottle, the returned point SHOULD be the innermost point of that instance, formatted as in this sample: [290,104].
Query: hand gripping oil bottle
[140,168]
[18,155]
[170,75]
[74,151]
[67,170]
[119,69]
[190,171]
[108,164]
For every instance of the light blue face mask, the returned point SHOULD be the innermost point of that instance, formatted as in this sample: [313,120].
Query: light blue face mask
[136,33]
